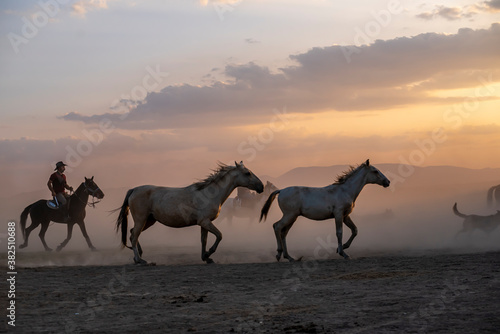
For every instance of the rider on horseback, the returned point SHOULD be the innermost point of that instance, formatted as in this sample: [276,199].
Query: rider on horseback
[57,185]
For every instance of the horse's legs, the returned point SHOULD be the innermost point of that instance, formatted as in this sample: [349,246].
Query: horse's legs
[354,231]
[134,238]
[208,226]
[151,220]
[68,238]
[34,224]
[45,226]
[138,243]
[85,235]
[284,233]
[278,232]
[338,228]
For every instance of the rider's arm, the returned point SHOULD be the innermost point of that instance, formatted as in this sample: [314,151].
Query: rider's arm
[49,184]
[68,187]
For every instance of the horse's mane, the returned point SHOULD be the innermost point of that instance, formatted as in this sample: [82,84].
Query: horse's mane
[82,185]
[216,175]
[342,178]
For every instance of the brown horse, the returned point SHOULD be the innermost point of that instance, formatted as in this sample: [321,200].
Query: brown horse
[41,214]
[197,204]
[487,224]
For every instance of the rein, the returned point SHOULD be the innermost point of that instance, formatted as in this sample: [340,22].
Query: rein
[91,192]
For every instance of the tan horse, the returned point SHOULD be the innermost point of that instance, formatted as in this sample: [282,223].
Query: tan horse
[493,201]
[486,224]
[197,204]
[333,201]
[234,208]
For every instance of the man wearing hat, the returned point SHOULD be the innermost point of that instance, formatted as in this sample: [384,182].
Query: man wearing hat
[57,185]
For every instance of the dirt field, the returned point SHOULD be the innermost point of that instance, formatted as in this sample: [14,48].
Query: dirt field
[396,292]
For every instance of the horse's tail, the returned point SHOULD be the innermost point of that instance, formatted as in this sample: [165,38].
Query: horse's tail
[24,217]
[455,210]
[123,219]
[267,205]
[489,198]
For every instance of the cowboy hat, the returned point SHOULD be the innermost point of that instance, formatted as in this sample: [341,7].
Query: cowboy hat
[60,164]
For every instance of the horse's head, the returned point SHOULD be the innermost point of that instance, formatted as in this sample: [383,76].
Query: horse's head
[92,188]
[245,178]
[374,176]
[269,188]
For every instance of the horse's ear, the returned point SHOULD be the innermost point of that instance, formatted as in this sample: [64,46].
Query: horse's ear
[86,179]
[236,164]
[92,178]
[367,163]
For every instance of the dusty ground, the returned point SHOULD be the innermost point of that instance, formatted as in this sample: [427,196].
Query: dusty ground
[395,292]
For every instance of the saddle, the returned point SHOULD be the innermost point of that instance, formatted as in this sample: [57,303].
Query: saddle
[53,204]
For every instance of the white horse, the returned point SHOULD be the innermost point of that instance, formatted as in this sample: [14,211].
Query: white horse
[235,208]
[333,201]
[197,204]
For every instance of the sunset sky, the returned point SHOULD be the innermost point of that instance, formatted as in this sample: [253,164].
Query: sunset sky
[138,92]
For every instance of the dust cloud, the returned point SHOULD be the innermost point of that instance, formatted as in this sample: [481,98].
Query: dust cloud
[413,216]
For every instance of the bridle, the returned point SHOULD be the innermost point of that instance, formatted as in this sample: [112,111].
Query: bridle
[91,192]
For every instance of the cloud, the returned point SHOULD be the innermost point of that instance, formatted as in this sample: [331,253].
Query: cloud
[214,2]
[449,13]
[382,75]
[251,41]
[493,5]
[459,13]
[82,7]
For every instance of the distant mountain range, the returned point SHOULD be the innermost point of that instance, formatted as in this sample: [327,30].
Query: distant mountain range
[400,175]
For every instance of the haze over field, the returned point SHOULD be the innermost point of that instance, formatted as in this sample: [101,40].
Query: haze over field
[158,92]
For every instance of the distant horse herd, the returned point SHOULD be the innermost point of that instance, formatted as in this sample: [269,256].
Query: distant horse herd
[202,202]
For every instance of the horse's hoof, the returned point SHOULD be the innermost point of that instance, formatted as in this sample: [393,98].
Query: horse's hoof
[93,249]
[58,249]
[140,262]
[48,249]
[209,260]
[278,258]
[22,246]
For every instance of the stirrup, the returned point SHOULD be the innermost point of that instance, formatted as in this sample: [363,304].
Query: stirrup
[52,205]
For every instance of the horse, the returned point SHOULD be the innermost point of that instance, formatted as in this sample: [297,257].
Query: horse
[234,208]
[489,197]
[486,224]
[196,204]
[333,201]
[42,214]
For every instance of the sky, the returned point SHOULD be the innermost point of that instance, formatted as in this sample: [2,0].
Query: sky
[157,92]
